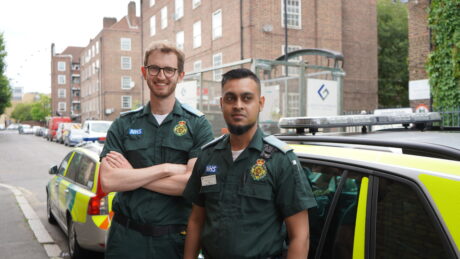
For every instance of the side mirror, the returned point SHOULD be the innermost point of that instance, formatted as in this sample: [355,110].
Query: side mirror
[53,170]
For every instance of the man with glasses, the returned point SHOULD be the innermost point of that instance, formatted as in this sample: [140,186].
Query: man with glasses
[147,159]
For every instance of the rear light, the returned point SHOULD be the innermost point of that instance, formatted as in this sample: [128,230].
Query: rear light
[99,204]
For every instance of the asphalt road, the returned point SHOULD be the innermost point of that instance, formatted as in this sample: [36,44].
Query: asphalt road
[25,161]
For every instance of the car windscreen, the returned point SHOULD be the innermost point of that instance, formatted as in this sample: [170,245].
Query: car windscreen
[76,132]
[100,127]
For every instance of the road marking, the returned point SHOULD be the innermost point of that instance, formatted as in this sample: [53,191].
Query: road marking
[42,235]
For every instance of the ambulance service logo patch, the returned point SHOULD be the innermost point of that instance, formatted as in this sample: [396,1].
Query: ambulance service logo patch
[181,128]
[259,170]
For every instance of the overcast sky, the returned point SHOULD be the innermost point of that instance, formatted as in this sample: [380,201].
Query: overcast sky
[30,26]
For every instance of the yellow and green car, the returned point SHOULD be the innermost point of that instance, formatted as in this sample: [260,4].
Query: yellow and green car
[76,202]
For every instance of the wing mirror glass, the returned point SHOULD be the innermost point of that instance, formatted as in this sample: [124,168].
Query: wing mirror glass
[53,170]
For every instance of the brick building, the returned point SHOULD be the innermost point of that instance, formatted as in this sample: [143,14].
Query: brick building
[65,82]
[419,48]
[213,33]
[110,69]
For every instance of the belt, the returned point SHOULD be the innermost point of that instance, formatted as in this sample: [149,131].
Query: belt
[146,229]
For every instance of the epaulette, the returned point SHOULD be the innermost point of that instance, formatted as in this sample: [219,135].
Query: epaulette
[282,146]
[192,110]
[132,111]
[212,142]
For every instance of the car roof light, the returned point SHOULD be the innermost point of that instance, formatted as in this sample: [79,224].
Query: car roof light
[358,120]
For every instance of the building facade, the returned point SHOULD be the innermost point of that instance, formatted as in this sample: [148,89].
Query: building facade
[110,68]
[212,33]
[65,83]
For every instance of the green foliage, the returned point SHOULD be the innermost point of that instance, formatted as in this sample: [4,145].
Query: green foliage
[41,109]
[5,91]
[22,112]
[392,54]
[37,111]
[444,61]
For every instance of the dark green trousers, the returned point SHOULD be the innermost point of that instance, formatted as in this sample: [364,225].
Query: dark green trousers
[125,243]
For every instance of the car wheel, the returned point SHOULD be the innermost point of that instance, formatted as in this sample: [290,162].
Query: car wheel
[49,214]
[75,250]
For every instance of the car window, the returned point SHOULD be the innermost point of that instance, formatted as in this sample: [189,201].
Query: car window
[338,241]
[100,127]
[404,228]
[85,174]
[63,165]
[73,167]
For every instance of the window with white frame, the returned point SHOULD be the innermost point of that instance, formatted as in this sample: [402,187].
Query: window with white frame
[152,3]
[197,34]
[61,93]
[126,63]
[125,44]
[195,3]
[294,14]
[197,65]
[61,79]
[293,103]
[126,102]
[291,70]
[164,17]
[126,82]
[180,40]
[153,24]
[61,66]
[93,51]
[217,61]
[97,47]
[179,9]
[217,24]
[62,106]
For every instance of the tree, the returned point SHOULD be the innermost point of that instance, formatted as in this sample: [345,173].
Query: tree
[5,91]
[41,109]
[444,61]
[392,54]
[22,112]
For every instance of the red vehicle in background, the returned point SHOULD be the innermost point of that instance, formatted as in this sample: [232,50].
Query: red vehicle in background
[52,125]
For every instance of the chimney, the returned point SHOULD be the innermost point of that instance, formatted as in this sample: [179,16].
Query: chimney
[108,22]
[132,13]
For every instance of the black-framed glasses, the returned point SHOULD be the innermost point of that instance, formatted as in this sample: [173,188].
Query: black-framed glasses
[155,70]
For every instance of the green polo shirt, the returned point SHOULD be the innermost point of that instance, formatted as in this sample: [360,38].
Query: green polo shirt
[144,143]
[247,202]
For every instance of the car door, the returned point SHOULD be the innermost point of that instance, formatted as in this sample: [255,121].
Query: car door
[365,213]
[55,186]
[66,194]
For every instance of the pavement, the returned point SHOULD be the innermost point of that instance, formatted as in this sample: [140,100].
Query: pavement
[22,234]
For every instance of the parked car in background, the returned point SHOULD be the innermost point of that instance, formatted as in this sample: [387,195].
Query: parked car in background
[2,126]
[52,125]
[63,129]
[36,129]
[25,129]
[76,202]
[73,137]
[13,126]
[96,128]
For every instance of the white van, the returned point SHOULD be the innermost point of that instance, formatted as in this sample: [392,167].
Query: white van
[96,128]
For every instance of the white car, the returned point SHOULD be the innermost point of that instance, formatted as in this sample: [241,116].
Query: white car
[96,129]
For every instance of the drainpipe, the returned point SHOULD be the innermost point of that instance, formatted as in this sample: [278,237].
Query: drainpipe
[241,30]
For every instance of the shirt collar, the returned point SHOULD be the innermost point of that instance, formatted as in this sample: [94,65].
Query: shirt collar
[177,109]
[256,142]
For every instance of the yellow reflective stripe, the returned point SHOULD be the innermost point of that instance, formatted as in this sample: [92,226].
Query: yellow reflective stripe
[101,221]
[359,243]
[80,206]
[446,193]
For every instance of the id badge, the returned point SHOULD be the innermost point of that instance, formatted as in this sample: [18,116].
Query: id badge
[208,180]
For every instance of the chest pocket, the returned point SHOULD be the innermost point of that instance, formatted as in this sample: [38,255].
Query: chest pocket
[137,152]
[261,191]
[211,192]
[175,149]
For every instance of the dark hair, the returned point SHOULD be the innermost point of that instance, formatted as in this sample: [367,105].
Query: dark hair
[238,74]
[166,47]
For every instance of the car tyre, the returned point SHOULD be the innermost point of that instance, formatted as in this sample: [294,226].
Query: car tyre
[75,250]
[49,214]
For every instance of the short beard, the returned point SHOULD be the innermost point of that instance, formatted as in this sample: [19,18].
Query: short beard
[239,130]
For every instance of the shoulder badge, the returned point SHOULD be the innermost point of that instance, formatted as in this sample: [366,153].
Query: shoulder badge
[192,110]
[282,146]
[132,111]
[212,142]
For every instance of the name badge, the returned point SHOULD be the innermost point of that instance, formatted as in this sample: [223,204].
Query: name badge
[208,180]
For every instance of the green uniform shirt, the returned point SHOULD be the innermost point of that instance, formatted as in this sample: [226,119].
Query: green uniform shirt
[246,200]
[144,143]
